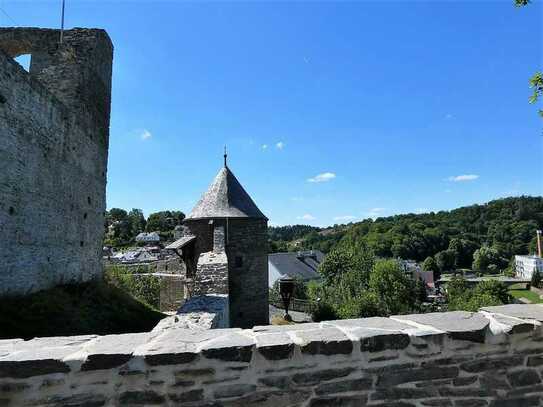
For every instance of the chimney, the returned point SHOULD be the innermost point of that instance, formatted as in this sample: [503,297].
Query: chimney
[539,243]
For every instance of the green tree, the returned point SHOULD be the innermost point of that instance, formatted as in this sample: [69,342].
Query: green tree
[341,262]
[164,221]
[488,259]
[430,264]
[485,294]
[463,251]
[393,288]
[117,219]
[365,305]
[116,214]
[495,289]
[445,260]
[137,221]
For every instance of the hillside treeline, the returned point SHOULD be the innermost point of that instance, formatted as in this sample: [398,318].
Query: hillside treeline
[502,227]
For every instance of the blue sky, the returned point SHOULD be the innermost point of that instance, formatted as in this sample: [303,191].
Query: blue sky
[332,111]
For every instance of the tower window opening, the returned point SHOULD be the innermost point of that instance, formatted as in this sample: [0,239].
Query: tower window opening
[238,261]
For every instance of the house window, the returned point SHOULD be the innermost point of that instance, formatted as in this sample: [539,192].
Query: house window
[238,261]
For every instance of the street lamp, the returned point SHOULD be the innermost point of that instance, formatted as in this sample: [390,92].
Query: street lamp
[286,290]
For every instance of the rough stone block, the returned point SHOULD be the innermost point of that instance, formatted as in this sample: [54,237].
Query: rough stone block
[492,364]
[35,362]
[531,401]
[75,400]
[344,386]
[455,392]
[324,341]
[460,325]
[233,347]
[437,403]
[372,342]
[274,346]
[510,325]
[269,399]
[141,398]
[112,351]
[535,360]
[522,311]
[470,403]
[464,381]
[233,390]
[315,377]
[397,393]
[281,382]
[520,378]
[416,375]
[177,346]
[192,395]
[351,401]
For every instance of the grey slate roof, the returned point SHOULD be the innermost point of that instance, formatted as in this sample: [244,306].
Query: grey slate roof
[179,243]
[225,198]
[296,266]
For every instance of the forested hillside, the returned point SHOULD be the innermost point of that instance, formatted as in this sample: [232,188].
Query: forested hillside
[504,227]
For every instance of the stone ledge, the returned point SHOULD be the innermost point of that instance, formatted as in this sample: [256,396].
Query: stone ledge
[41,356]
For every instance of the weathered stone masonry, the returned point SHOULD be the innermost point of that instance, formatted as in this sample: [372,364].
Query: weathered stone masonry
[54,133]
[491,358]
[230,245]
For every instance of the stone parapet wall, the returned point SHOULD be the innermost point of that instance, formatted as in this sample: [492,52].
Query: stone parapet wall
[491,358]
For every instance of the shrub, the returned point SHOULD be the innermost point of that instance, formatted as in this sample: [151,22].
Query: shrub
[145,288]
[536,279]
[324,312]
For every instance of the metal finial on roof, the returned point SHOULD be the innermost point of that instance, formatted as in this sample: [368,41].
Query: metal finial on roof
[225,155]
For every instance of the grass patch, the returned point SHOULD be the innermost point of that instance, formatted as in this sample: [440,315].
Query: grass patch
[530,295]
[78,309]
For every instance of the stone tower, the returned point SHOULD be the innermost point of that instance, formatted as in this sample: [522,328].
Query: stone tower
[54,131]
[227,212]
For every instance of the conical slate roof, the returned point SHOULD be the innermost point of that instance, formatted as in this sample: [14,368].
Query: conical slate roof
[225,198]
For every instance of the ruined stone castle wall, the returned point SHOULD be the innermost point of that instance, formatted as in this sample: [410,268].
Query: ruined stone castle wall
[493,358]
[54,129]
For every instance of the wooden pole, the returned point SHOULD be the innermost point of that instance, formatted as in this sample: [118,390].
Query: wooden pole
[62,22]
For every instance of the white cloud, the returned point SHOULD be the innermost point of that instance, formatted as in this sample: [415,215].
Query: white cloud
[422,210]
[324,177]
[145,134]
[449,116]
[463,178]
[344,217]
[307,216]
[375,212]
[296,199]
[264,146]
[280,145]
